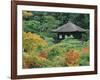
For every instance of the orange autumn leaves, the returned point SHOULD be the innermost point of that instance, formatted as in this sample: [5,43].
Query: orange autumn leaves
[31,60]
[85,50]
[72,58]
[32,41]
[37,53]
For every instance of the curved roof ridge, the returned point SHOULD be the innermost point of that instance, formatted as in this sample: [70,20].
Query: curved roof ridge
[69,27]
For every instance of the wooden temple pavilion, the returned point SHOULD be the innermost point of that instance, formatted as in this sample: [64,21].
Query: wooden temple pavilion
[69,29]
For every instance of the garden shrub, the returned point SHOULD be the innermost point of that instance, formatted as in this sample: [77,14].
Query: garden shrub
[72,58]
[27,60]
[85,56]
[54,51]
[58,61]
[32,42]
[49,40]
[84,61]
[34,61]
[43,54]
[71,43]
[38,53]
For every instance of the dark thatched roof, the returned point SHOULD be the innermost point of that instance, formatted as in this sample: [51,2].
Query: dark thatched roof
[69,27]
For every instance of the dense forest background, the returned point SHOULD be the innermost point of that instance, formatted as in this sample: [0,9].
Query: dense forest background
[43,22]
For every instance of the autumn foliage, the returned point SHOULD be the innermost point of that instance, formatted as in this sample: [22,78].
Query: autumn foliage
[72,58]
[32,41]
[37,53]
